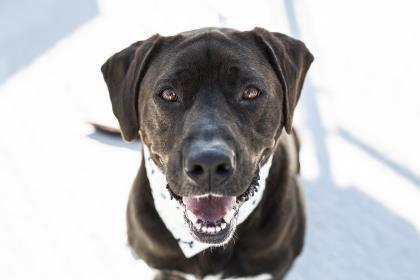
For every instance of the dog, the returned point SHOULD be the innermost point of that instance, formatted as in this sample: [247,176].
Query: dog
[218,188]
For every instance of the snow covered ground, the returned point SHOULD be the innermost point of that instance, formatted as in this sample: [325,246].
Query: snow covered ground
[63,187]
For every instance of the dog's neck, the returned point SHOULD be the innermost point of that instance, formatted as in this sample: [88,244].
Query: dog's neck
[171,212]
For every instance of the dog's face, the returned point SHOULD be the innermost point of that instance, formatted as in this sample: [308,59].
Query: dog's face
[210,105]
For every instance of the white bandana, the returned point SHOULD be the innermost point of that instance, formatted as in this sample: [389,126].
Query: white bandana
[172,214]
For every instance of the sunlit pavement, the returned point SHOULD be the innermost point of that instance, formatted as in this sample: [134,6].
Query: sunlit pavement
[63,187]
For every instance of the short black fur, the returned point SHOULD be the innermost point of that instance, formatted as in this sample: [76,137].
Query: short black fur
[209,69]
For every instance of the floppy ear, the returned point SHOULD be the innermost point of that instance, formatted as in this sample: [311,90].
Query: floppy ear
[123,73]
[290,60]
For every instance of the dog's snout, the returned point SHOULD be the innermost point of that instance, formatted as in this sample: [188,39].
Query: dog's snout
[209,163]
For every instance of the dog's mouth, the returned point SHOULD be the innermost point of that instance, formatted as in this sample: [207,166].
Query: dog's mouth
[212,218]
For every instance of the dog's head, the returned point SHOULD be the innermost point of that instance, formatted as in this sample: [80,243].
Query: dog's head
[210,105]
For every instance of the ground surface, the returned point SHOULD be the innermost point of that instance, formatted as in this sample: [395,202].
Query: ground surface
[63,187]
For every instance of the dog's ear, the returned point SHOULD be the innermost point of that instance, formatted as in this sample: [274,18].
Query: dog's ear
[290,60]
[123,73]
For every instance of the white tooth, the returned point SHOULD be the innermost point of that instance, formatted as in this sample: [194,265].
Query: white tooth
[197,226]
[204,229]
[192,217]
[211,230]
[228,217]
[218,229]
[223,225]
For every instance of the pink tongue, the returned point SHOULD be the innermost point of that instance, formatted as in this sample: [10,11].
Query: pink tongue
[209,208]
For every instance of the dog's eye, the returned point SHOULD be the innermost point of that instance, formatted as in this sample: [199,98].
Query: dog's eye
[251,93]
[168,95]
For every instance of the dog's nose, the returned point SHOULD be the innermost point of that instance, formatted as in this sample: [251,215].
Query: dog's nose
[209,163]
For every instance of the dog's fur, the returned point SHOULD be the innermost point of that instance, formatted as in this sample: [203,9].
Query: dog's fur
[209,68]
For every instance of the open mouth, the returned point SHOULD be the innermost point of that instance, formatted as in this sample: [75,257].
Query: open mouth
[212,218]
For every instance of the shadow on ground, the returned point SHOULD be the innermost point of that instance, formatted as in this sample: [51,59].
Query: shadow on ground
[350,235]
[38,26]
[399,168]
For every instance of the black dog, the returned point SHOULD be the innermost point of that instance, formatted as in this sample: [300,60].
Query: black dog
[210,106]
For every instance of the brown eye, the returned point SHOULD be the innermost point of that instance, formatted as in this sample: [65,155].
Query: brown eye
[169,95]
[251,93]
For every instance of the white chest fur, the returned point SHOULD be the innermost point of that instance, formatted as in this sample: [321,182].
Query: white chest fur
[171,212]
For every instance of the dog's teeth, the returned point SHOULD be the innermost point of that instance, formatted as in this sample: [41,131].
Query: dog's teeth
[204,229]
[211,230]
[223,225]
[192,217]
[197,226]
[218,229]
[228,217]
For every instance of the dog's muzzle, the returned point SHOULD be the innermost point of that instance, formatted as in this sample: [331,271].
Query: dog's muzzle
[212,218]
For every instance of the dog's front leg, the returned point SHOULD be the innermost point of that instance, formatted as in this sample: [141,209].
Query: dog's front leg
[170,275]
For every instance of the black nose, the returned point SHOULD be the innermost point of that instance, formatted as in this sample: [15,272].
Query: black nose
[209,163]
